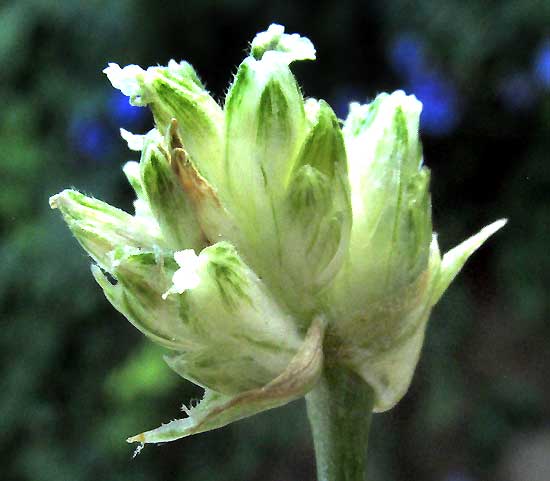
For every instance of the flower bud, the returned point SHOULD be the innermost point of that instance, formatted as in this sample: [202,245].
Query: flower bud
[176,91]
[232,337]
[383,295]
[317,218]
[265,128]
[229,305]
[169,203]
[390,193]
[101,228]
[216,410]
[261,227]
[140,278]
[265,125]
[211,307]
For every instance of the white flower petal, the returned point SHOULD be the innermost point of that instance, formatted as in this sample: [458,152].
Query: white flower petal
[277,45]
[187,276]
[134,141]
[128,80]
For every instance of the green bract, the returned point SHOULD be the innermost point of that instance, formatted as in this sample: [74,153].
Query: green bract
[267,239]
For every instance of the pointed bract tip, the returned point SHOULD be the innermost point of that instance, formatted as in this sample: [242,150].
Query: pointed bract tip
[53,201]
[495,226]
[454,260]
[56,201]
[138,438]
[175,141]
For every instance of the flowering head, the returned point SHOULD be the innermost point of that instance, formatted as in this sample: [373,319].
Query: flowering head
[269,239]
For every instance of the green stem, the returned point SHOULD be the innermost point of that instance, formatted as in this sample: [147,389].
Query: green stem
[339,410]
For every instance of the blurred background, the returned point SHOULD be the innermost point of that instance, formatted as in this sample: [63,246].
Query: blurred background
[77,379]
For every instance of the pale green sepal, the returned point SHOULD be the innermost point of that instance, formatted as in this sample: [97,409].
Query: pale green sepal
[169,203]
[389,370]
[234,372]
[100,228]
[200,118]
[289,47]
[248,337]
[265,127]
[384,349]
[175,91]
[317,223]
[217,410]
[391,230]
[454,260]
[390,373]
[265,122]
[141,278]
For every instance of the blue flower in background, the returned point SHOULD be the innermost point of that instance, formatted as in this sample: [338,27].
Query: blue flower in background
[406,55]
[90,137]
[440,99]
[517,91]
[440,113]
[541,67]
[341,98]
[458,476]
[123,113]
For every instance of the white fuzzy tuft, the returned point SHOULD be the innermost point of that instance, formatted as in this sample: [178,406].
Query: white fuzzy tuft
[187,276]
[128,79]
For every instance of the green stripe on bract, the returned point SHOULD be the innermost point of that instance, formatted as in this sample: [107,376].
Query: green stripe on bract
[169,203]
[100,228]
[226,269]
